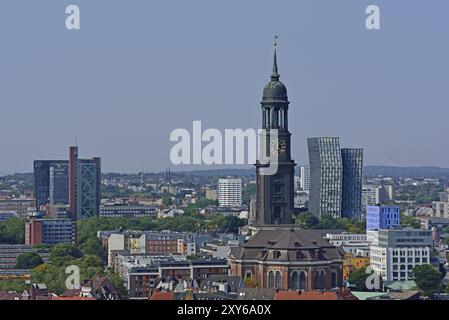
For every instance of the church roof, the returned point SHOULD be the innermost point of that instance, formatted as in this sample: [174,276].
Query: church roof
[291,244]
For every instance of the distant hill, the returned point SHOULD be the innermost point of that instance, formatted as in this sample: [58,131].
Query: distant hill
[220,172]
[433,172]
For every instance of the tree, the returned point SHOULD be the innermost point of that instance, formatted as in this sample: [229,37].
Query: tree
[167,200]
[62,251]
[307,220]
[12,231]
[428,279]
[28,260]
[13,285]
[410,222]
[358,278]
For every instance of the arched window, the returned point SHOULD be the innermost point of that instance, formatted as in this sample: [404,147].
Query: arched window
[271,280]
[316,280]
[302,280]
[294,283]
[322,280]
[334,283]
[277,280]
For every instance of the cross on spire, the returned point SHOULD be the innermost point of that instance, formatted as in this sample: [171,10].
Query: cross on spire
[275,74]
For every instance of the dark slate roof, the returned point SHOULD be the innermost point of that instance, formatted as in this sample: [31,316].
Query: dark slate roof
[292,244]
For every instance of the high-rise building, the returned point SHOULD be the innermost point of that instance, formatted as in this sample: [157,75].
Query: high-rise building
[51,182]
[326,172]
[230,193]
[304,176]
[373,195]
[275,192]
[84,185]
[351,205]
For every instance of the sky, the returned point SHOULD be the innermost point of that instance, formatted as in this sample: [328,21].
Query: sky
[136,70]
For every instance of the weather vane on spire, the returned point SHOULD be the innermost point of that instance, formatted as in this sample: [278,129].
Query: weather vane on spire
[275,41]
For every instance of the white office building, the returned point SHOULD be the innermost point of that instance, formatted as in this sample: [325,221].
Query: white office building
[441,208]
[304,178]
[395,252]
[353,243]
[230,193]
[373,195]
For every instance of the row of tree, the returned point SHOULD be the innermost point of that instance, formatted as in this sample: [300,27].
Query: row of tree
[428,280]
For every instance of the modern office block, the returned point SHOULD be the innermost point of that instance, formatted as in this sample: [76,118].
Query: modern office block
[51,182]
[382,217]
[352,160]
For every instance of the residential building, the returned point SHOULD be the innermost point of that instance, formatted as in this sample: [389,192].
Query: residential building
[126,210]
[143,273]
[21,206]
[230,192]
[304,178]
[211,194]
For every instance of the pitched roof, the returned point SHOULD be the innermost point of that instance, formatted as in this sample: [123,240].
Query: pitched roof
[342,294]
[162,295]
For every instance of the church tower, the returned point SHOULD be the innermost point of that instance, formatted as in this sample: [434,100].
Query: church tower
[275,193]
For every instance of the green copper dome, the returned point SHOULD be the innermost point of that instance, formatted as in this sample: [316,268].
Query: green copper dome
[275,89]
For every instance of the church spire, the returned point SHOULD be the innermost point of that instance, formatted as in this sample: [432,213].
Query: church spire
[275,74]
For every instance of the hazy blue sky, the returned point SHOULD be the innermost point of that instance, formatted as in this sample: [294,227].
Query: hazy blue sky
[138,69]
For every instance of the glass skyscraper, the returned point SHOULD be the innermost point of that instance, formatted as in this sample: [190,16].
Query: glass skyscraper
[351,205]
[335,179]
[51,182]
[326,172]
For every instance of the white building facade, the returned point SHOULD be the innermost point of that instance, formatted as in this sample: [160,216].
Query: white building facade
[395,252]
[230,193]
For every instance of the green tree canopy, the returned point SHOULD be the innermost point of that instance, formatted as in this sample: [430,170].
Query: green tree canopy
[428,279]
[28,260]
[358,278]
[12,231]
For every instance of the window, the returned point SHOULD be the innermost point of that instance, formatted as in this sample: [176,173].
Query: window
[271,280]
[294,280]
[302,280]
[334,279]
[277,280]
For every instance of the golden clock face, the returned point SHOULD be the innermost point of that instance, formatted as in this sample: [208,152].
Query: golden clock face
[277,146]
[281,147]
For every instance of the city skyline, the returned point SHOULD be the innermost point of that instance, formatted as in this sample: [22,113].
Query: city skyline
[112,79]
